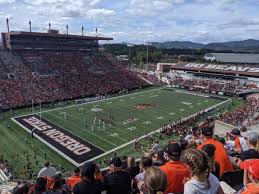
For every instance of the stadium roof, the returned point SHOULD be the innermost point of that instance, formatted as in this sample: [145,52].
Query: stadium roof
[233,58]
[59,35]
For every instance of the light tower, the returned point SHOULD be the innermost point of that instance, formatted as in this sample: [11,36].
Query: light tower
[7,24]
[30,25]
[67,28]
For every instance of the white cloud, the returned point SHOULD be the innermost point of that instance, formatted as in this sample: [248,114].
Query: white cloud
[94,2]
[138,20]
[6,1]
[93,13]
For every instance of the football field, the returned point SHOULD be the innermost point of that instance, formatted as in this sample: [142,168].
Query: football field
[112,123]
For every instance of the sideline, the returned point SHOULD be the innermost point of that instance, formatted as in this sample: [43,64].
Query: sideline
[116,97]
[151,133]
[75,105]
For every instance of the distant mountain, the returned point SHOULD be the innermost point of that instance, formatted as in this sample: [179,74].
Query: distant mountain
[178,45]
[249,45]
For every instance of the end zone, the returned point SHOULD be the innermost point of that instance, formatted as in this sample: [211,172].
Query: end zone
[65,143]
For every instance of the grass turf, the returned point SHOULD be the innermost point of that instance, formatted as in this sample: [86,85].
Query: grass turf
[129,122]
[165,105]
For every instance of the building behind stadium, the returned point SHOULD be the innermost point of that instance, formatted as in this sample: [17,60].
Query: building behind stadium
[234,58]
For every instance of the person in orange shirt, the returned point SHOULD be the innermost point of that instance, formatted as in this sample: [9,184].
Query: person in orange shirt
[176,171]
[73,180]
[251,176]
[221,155]
[240,142]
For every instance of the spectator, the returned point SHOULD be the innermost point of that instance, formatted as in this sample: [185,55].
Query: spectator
[156,146]
[132,169]
[124,162]
[57,185]
[221,155]
[40,185]
[154,182]
[117,181]
[209,149]
[5,168]
[98,173]
[202,181]
[243,131]
[88,183]
[251,176]
[175,170]
[158,158]
[73,180]
[240,142]
[47,171]
[23,188]
[251,153]
[145,163]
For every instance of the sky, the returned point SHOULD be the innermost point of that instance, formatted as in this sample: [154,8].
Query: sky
[139,21]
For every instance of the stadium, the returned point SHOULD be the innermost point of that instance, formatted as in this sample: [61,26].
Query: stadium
[66,101]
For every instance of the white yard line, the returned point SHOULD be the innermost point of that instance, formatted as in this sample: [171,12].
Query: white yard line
[88,131]
[49,145]
[119,147]
[151,133]
[97,101]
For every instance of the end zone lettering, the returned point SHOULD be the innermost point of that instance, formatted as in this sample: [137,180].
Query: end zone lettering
[70,145]
[64,140]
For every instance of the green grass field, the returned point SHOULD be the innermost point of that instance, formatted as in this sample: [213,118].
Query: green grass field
[129,123]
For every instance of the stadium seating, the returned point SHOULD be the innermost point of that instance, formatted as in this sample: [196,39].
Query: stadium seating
[227,87]
[47,76]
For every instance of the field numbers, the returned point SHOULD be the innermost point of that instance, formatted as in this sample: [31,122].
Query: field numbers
[114,135]
[159,118]
[132,128]
[147,122]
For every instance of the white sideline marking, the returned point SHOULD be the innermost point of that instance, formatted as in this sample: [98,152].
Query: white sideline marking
[87,131]
[49,145]
[119,147]
[151,133]
[97,101]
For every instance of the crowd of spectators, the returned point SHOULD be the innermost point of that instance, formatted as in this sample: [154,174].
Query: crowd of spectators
[200,163]
[47,76]
[151,78]
[246,115]
[228,87]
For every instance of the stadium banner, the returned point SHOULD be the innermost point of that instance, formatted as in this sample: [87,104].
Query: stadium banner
[67,144]
[230,69]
